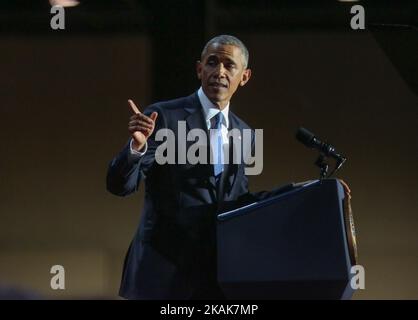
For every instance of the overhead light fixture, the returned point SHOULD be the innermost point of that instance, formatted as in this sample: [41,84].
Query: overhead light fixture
[64,3]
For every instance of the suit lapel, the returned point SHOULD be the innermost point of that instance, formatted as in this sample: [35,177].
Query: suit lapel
[196,120]
[229,176]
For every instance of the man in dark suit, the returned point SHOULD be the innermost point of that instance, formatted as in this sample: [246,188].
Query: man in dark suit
[172,255]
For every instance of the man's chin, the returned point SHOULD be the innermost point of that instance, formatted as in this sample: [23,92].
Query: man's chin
[217,100]
[217,97]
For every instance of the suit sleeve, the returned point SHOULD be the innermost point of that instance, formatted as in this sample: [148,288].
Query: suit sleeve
[126,170]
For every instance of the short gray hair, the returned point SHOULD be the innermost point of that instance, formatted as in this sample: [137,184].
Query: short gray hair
[226,39]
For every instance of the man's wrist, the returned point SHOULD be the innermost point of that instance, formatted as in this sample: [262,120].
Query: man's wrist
[136,146]
[136,149]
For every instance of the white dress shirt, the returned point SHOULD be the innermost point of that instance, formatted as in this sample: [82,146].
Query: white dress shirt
[209,111]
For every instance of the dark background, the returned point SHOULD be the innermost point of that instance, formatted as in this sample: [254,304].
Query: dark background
[64,115]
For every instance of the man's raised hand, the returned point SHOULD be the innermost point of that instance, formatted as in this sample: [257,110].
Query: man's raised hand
[140,126]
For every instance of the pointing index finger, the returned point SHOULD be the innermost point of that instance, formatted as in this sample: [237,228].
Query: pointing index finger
[134,108]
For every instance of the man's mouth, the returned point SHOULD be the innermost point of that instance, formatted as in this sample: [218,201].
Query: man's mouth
[218,85]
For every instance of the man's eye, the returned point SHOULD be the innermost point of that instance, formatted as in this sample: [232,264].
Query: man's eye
[211,63]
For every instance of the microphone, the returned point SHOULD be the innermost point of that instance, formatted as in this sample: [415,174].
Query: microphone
[311,141]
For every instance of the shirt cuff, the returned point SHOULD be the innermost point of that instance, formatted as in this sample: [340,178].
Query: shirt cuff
[138,153]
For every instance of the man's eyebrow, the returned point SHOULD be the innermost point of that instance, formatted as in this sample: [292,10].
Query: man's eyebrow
[230,60]
[225,59]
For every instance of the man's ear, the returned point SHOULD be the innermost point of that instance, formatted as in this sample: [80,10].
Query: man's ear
[246,75]
[199,69]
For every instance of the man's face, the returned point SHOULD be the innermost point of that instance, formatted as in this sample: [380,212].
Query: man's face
[221,71]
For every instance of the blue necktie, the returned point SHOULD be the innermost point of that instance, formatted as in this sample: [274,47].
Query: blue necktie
[219,153]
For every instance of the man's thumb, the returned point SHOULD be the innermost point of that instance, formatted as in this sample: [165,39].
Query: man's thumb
[154,116]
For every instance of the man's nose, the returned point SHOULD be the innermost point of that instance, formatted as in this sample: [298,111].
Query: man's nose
[220,70]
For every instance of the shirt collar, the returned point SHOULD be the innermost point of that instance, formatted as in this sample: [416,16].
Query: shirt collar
[210,110]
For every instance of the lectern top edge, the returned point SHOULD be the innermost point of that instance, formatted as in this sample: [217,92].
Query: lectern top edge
[259,204]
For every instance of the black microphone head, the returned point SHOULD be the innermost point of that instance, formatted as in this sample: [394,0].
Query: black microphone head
[305,136]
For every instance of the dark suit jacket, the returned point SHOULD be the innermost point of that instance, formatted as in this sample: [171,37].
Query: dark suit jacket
[172,255]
